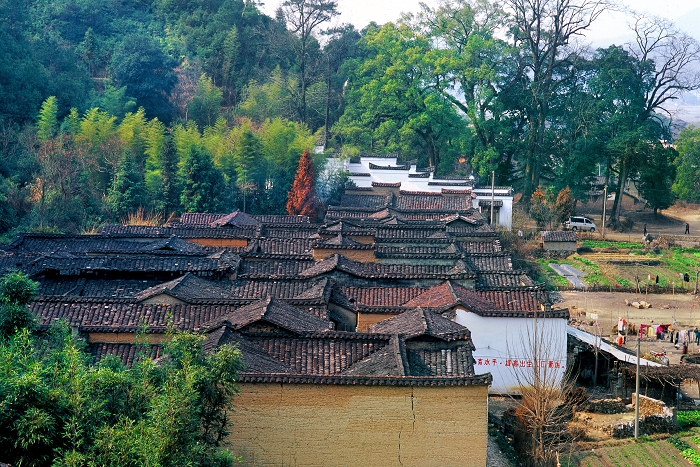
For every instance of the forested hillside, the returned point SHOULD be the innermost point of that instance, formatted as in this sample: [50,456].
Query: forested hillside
[111,106]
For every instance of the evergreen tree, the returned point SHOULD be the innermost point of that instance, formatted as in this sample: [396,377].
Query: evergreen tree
[168,201]
[128,190]
[202,183]
[302,199]
[246,158]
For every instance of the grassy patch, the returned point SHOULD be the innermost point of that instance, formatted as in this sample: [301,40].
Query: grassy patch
[688,418]
[608,244]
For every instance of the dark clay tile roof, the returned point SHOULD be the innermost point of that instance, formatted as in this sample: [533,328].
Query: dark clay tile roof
[128,353]
[192,289]
[343,242]
[316,354]
[120,316]
[486,246]
[198,218]
[489,263]
[284,248]
[125,231]
[235,219]
[271,311]
[387,271]
[188,288]
[67,264]
[559,236]
[252,269]
[285,290]
[425,252]
[503,280]
[439,296]
[430,202]
[103,288]
[348,228]
[98,244]
[375,296]
[375,202]
[418,322]
[291,231]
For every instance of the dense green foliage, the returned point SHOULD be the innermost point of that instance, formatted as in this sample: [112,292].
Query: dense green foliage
[103,103]
[688,419]
[56,408]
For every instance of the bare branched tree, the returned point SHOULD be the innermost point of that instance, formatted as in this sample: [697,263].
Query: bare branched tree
[675,59]
[546,401]
[303,17]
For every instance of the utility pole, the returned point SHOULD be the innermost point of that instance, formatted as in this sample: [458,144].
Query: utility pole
[636,402]
[493,178]
[605,199]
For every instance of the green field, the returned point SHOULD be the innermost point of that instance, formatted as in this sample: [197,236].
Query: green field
[620,264]
[643,453]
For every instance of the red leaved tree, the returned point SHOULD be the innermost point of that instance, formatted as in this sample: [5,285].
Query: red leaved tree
[302,198]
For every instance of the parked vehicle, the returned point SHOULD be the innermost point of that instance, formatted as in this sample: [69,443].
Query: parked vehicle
[580,223]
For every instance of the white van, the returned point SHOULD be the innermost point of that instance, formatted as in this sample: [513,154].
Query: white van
[580,223]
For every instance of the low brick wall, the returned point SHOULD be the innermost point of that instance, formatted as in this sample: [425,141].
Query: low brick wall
[276,424]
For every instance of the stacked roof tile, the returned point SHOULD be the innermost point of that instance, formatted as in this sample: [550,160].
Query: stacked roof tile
[263,290]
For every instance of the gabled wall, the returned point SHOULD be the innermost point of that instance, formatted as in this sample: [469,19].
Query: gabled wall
[502,341]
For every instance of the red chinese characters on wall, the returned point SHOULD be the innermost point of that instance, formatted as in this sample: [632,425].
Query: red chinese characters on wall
[518,363]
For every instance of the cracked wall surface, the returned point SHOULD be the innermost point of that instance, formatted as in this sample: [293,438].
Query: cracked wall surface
[323,425]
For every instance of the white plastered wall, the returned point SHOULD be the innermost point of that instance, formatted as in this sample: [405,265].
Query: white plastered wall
[503,341]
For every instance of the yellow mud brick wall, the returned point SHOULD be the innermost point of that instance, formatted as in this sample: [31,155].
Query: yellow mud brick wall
[365,320]
[332,425]
[365,256]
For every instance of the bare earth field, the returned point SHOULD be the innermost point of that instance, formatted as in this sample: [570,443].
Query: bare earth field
[684,309]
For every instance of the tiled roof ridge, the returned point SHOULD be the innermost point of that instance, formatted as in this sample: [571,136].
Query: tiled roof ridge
[399,347]
[447,191]
[341,241]
[388,167]
[237,218]
[477,380]
[448,183]
[386,184]
[420,193]
[169,286]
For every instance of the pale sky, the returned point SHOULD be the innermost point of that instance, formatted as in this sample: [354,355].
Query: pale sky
[608,28]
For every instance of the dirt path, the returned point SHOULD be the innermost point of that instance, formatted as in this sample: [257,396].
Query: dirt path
[670,222]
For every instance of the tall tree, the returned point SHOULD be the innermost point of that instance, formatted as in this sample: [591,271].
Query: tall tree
[147,72]
[687,184]
[17,291]
[393,103]
[128,190]
[48,121]
[478,74]
[248,159]
[302,197]
[544,31]
[202,183]
[304,17]
[668,60]
[205,106]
